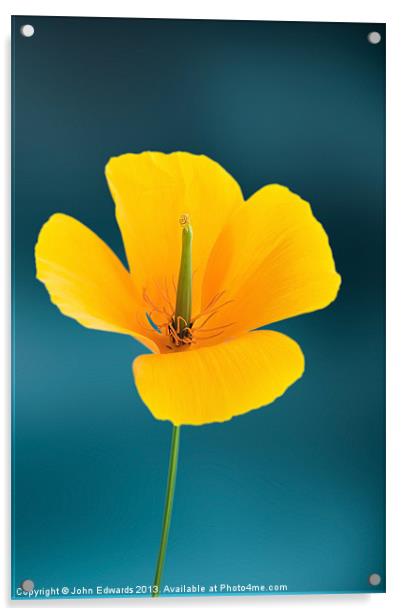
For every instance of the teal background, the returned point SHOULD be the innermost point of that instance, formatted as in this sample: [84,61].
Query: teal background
[290,494]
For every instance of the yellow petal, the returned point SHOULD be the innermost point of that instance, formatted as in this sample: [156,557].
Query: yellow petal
[273,260]
[151,190]
[86,280]
[215,383]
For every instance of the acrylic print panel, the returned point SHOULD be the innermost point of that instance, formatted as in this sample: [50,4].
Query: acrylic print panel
[198,308]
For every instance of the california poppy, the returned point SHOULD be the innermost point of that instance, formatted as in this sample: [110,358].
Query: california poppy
[206,269]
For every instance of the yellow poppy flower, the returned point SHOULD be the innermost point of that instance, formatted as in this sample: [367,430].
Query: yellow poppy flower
[206,268]
[254,262]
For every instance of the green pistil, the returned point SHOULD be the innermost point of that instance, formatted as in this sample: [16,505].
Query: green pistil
[184,286]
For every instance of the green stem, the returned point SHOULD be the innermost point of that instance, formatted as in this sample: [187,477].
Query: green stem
[174,455]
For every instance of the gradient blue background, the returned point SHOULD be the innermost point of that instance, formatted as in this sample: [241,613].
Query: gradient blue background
[290,494]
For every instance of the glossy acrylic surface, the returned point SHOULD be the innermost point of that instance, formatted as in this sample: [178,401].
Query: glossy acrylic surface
[288,495]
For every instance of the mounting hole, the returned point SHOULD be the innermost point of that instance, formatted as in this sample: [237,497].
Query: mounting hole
[374,38]
[375,579]
[27,30]
[27,585]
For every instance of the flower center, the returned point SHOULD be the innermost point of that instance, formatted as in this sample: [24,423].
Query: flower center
[180,326]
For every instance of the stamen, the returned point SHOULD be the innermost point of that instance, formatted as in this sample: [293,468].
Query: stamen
[215,310]
[165,295]
[213,329]
[208,337]
[214,299]
[206,320]
[152,305]
[183,327]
